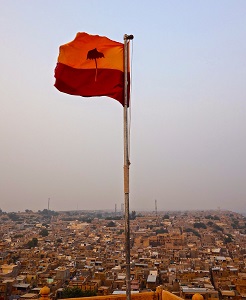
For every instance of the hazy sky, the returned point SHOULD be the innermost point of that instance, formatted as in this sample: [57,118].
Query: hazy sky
[188,113]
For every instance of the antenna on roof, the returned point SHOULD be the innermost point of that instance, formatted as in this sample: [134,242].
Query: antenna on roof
[156,215]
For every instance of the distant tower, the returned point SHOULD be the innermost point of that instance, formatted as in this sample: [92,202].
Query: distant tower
[156,209]
[156,216]
[48,203]
[115,209]
[122,209]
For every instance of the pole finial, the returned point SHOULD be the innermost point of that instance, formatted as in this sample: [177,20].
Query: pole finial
[128,37]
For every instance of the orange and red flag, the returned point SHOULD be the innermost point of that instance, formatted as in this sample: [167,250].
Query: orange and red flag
[91,65]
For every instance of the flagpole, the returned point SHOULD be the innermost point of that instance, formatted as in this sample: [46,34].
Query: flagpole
[126,168]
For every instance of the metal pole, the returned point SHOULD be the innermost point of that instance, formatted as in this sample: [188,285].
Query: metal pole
[126,168]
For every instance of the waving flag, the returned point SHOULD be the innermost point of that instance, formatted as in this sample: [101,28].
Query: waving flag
[91,65]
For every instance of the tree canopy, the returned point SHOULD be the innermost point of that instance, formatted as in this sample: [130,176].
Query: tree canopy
[75,292]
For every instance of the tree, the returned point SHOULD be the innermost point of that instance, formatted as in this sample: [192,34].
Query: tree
[16,236]
[75,292]
[47,212]
[199,225]
[94,54]
[235,224]
[133,215]
[13,216]
[161,230]
[228,240]
[111,224]
[44,232]
[217,228]
[193,231]
[32,243]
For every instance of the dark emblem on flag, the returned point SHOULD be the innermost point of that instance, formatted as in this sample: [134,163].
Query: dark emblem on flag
[94,54]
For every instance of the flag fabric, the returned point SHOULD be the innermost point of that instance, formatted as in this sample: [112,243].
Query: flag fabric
[91,65]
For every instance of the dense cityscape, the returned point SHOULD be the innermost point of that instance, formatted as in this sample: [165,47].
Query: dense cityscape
[82,253]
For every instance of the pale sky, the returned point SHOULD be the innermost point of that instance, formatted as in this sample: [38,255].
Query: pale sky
[188,112]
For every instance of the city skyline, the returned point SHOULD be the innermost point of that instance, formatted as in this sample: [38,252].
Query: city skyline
[182,253]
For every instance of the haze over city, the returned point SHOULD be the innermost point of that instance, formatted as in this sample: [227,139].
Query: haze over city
[188,120]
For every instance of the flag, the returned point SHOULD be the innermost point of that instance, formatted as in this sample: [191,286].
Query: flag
[91,65]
